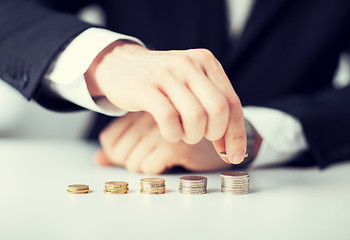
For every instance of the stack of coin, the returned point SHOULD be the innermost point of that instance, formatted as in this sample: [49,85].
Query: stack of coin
[193,185]
[116,187]
[235,182]
[78,189]
[152,186]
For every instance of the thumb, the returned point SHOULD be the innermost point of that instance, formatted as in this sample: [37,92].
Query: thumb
[101,158]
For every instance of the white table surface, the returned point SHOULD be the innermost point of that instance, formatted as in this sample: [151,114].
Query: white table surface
[283,204]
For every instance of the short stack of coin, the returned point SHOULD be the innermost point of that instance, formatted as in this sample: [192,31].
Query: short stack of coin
[235,182]
[152,186]
[116,187]
[78,189]
[193,185]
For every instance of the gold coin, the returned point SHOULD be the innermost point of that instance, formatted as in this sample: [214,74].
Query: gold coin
[152,186]
[115,192]
[155,181]
[116,184]
[78,186]
[78,192]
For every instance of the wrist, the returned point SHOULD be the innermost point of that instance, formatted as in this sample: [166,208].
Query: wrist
[98,69]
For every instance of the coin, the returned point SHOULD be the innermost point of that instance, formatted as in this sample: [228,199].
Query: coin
[153,180]
[116,184]
[116,192]
[223,154]
[152,186]
[78,192]
[235,182]
[78,186]
[193,185]
[78,189]
[116,187]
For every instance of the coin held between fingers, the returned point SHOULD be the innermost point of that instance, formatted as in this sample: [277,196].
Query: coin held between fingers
[223,154]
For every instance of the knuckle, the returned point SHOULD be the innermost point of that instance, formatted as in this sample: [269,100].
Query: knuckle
[221,107]
[197,116]
[169,116]
[235,102]
[216,66]
[183,60]
[205,54]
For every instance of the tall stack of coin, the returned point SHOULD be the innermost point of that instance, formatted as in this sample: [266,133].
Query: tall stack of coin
[78,189]
[152,186]
[193,185]
[116,187]
[235,183]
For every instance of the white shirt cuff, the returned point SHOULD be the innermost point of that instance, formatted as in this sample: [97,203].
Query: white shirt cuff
[66,75]
[283,137]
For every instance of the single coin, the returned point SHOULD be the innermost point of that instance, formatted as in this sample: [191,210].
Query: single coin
[153,180]
[116,192]
[78,186]
[77,192]
[193,178]
[116,184]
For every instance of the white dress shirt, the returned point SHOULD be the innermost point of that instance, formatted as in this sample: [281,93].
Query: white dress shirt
[282,134]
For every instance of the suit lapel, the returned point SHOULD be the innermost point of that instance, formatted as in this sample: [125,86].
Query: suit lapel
[263,14]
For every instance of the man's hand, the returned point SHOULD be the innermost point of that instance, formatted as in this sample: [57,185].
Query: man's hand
[186,92]
[134,142]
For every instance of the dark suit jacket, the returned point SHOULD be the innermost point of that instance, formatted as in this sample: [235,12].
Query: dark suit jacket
[285,58]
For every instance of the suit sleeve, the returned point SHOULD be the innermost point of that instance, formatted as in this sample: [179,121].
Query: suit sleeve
[32,33]
[325,119]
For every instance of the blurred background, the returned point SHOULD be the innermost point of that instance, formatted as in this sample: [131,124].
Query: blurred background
[22,119]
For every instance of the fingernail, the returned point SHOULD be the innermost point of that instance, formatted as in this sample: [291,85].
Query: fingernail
[239,157]
[223,154]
